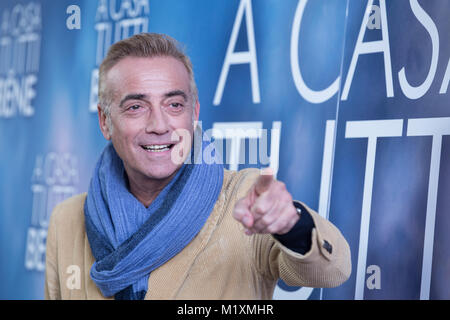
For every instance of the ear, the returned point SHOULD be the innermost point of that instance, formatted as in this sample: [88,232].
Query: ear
[196,113]
[103,123]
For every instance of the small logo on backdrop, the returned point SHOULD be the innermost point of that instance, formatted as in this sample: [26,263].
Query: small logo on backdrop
[374,279]
[73,281]
[74,20]
[374,21]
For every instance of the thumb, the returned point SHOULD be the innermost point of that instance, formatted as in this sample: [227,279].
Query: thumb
[264,181]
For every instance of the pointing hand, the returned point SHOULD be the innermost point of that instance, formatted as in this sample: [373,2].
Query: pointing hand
[267,207]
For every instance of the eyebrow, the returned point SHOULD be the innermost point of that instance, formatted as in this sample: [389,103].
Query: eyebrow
[141,96]
[132,96]
[176,93]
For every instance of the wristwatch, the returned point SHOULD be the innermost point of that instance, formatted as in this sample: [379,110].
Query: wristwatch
[298,207]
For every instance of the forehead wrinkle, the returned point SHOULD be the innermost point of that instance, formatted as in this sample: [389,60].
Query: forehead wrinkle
[139,82]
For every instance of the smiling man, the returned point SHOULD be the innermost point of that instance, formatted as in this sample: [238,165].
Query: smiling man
[153,101]
[150,227]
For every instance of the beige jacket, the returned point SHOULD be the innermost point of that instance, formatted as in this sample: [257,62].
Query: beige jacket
[221,262]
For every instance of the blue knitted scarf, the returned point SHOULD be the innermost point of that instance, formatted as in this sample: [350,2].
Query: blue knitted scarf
[127,239]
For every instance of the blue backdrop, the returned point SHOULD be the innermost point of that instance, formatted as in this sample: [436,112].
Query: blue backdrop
[353,95]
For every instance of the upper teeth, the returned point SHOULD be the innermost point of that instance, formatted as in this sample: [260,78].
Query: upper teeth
[156,147]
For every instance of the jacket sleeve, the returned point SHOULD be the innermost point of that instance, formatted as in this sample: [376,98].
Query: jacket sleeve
[327,264]
[52,287]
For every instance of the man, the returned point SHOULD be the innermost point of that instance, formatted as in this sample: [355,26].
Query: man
[155,226]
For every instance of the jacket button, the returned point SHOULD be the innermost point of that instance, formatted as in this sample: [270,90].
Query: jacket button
[327,246]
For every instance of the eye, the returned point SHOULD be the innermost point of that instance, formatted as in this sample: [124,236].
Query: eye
[134,107]
[176,105]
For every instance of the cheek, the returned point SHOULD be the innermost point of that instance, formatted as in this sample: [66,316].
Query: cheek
[124,133]
[187,121]
[187,127]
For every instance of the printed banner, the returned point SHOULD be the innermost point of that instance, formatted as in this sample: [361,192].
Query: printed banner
[346,100]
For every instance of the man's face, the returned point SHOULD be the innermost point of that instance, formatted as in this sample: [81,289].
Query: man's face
[151,102]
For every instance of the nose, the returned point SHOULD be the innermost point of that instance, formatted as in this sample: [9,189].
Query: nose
[157,122]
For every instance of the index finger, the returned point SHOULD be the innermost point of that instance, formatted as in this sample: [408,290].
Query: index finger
[264,181]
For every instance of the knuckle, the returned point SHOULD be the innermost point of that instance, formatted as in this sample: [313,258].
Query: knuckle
[286,201]
[289,197]
[281,186]
[258,209]
[238,213]
[280,190]
[266,220]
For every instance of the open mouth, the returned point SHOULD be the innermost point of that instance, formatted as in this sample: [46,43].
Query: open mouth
[157,147]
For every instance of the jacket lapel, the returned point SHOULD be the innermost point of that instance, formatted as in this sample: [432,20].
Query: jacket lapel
[166,281]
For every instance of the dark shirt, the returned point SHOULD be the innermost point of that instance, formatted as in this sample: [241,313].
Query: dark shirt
[298,239]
